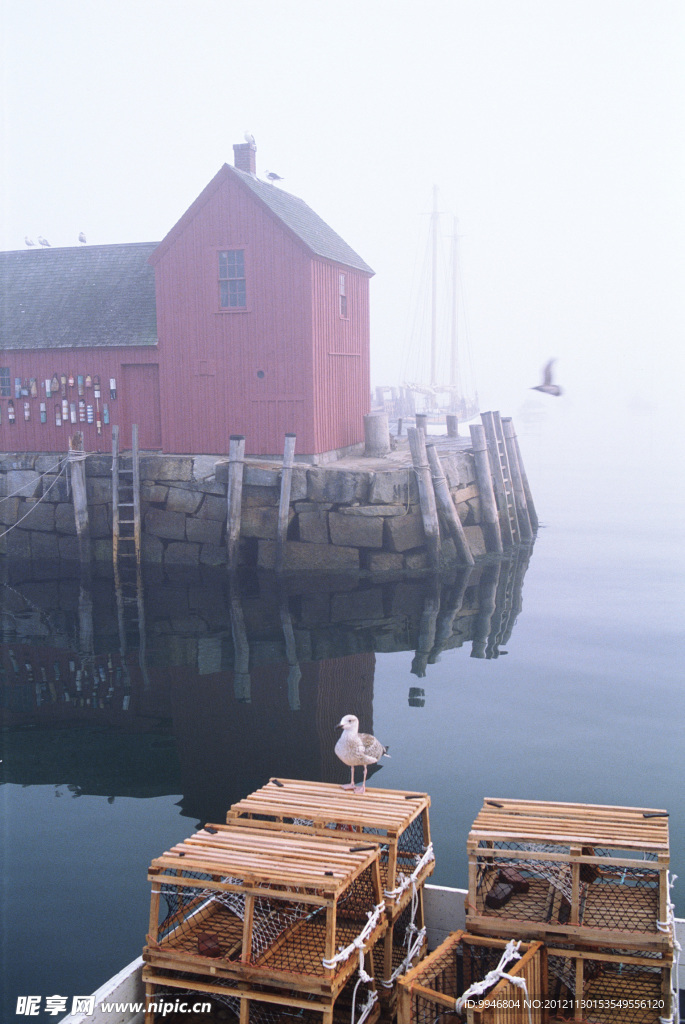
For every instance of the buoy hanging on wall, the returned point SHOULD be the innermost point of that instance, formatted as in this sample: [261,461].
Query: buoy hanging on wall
[105,414]
[43,413]
[10,411]
[89,381]
[82,410]
[112,388]
[90,413]
[72,412]
[80,383]
[71,380]
[65,410]
[58,415]
[63,384]
[33,387]
[54,384]
[48,388]
[27,411]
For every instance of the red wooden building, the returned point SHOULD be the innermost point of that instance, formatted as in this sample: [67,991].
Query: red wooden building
[251,317]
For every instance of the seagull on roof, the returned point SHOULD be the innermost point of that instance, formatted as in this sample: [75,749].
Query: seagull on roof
[43,241]
[82,238]
[547,386]
[249,137]
[28,241]
[272,176]
[354,747]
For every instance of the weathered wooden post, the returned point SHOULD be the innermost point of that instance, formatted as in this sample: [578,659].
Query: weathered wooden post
[491,528]
[421,421]
[530,504]
[525,527]
[446,506]
[236,463]
[242,684]
[452,425]
[135,467]
[77,467]
[376,435]
[115,497]
[399,426]
[429,513]
[487,602]
[499,468]
[284,500]
[426,638]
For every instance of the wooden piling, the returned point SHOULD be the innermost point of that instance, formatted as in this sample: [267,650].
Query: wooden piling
[487,603]
[429,512]
[236,456]
[399,427]
[421,421]
[115,497]
[135,466]
[77,467]
[452,425]
[491,528]
[530,504]
[284,500]
[525,526]
[446,506]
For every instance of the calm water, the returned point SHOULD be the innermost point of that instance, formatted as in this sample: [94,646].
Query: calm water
[577,696]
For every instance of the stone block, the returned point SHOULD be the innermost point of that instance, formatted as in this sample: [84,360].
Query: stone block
[98,490]
[221,472]
[372,510]
[17,461]
[261,476]
[338,486]
[49,463]
[401,533]
[152,492]
[213,554]
[9,511]
[259,497]
[45,547]
[260,522]
[309,557]
[19,544]
[102,550]
[212,507]
[99,521]
[168,525]
[24,483]
[476,515]
[204,467]
[166,467]
[56,488]
[181,500]
[99,465]
[358,606]
[416,559]
[204,531]
[313,525]
[475,540]
[69,549]
[459,468]
[64,519]
[385,561]
[181,554]
[394,488]
[356,531]
[39,516]
[298,483]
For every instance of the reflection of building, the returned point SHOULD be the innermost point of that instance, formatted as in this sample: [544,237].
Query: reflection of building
[252,319]
[249,683]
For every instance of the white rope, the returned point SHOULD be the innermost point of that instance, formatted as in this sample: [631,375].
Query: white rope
[75,455]
[371,997]
[511,952]
[48,472]
[407,880]
[45,492]
[358,943]
[669,926]
[412,947]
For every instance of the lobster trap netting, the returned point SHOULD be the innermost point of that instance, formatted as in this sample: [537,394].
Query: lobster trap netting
[402,945]
[529,888]
[609,991]
[285,934]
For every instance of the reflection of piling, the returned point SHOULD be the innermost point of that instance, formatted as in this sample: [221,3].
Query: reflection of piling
[236,455]
[241,647]
[449,609]
[487,602]
[525,526]
[284,500]
[429,513]
[490,525]
[77,465]
[516,603]
[426,638]
[294,671]
[446,505]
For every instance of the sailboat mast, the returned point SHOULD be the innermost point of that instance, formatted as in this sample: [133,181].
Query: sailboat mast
[454,349]
[434,289]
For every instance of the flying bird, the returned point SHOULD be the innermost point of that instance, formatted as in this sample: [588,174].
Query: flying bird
[272,176]
[28,241]
[354,747]
[82,238]
[249,138]
[547,386]
[43,241]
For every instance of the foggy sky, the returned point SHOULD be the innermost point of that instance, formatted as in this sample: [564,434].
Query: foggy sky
[553,129]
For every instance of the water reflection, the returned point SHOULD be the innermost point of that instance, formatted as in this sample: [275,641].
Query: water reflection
[206,685]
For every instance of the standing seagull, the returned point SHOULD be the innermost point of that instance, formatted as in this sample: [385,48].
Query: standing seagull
[82,238]
[547,386]
[249,137]
[356,747]
[43,241]
[28,241]
[273,177]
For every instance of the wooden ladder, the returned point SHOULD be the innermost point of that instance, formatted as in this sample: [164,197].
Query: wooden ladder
[125,501]
[501,478]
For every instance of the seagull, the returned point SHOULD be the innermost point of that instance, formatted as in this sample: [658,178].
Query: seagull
[43,241]
[354,747]
[272,176]
[547,386]
[249,138]
[82,238]
[28,241]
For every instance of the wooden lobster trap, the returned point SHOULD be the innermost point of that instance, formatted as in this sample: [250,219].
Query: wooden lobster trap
[577,872]
[265,908]
[172,992]
[401,948]
[475,979]
[396,821]
[609,986]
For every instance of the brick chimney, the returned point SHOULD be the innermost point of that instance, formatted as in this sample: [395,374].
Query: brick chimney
[244,157]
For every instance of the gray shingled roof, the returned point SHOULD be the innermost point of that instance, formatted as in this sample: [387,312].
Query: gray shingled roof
[307,225]
[92,295]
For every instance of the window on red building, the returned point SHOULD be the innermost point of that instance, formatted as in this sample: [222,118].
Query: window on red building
[343,294]
[232,293]
[5,382]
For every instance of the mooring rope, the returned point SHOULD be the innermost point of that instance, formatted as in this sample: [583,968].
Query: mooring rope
[407,880]
[42,497]
[48,472]
[511,952]
[371,998]
[358,943]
